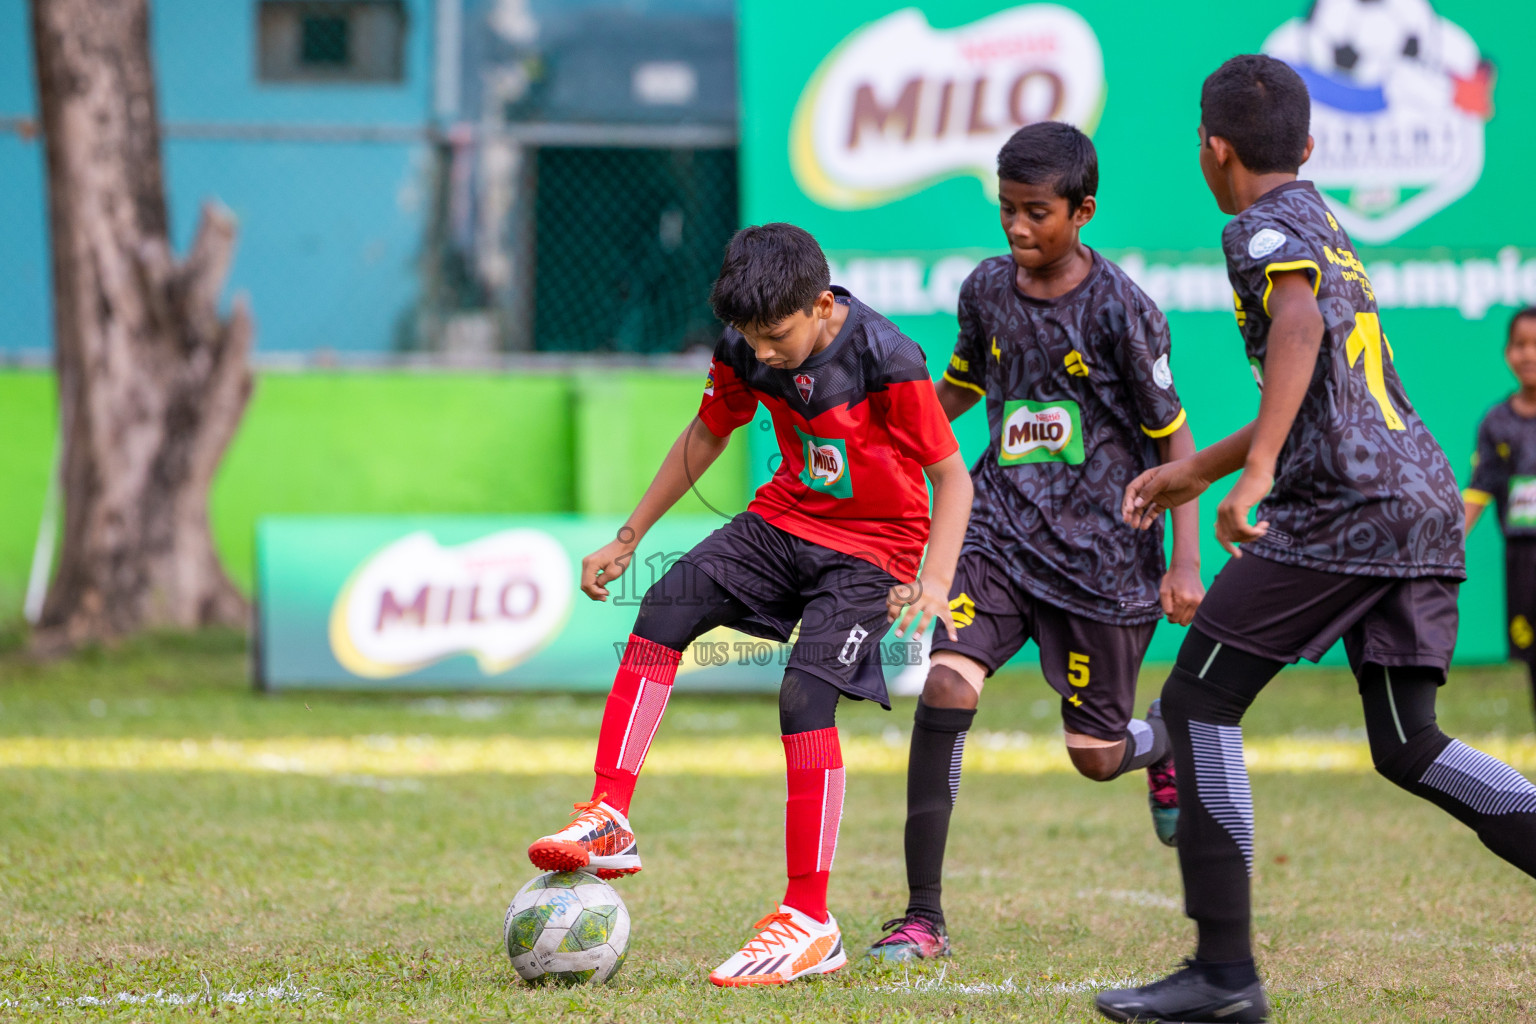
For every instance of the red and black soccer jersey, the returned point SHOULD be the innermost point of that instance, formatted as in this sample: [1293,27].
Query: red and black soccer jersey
[1504,469]
[1361,486]
[1077,389]
[856,423]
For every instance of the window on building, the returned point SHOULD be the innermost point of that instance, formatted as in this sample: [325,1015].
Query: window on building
[331,40]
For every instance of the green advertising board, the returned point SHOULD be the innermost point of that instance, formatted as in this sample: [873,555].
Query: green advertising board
[475,603]
[875,126]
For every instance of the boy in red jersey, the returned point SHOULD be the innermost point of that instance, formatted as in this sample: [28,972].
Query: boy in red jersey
[834,541]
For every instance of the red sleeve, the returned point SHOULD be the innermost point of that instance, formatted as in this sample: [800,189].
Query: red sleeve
[727,402]
[917,423]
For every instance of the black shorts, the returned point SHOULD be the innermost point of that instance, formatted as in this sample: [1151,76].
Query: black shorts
[1286,613]
[1520,597]
[837,599]
[1092,665]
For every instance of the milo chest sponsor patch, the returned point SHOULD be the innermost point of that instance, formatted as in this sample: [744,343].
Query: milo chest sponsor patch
[826,465]
[1522,501]
[1041,432]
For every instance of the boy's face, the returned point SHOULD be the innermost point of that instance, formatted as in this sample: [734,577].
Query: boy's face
[791,341]
[1040,225]
[1521,351]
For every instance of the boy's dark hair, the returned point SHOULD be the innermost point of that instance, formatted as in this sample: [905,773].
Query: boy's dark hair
[1259,105]
[1528,313]
[770,271]
[1055,154]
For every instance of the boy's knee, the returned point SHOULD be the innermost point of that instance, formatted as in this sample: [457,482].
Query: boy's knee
[947,688]
[1098,763]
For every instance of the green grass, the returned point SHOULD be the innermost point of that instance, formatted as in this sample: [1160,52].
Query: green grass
[378,896]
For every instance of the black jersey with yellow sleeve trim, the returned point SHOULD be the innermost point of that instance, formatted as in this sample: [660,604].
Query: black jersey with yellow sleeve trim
[1504,469]
[1077,388]
[1361,486]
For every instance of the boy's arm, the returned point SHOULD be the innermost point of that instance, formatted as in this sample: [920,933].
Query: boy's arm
[1181,589]
[956,399]
[1295,337]
[952,494]
[1474,512]
[1490,473]
[695,450]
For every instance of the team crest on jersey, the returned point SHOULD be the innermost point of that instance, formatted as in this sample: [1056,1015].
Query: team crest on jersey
[1264,242]
[1041,432]
[805,384]
[709,382]
[1400,100]
[826,465]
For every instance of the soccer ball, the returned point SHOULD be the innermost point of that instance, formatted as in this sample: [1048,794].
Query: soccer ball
[1366,41]
[568,927]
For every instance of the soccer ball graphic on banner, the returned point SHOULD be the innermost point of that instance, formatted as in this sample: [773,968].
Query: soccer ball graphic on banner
[568,927]
[1367,40]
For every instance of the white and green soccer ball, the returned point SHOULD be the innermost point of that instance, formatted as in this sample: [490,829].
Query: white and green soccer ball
[568,927]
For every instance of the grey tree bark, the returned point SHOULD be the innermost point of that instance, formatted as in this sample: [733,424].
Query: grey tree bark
[152,379]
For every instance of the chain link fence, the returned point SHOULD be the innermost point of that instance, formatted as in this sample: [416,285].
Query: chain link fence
[626,243]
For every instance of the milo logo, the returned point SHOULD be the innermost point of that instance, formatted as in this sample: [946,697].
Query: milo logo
[826,465]
[1041,432]
[1522,501]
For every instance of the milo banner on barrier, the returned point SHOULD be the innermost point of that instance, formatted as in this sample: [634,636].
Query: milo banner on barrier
[875,125]
[470,603]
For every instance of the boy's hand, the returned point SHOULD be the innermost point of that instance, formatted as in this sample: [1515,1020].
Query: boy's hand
[1159,489]
[603,566]
[1182,593]
[924,601]
[1232,526]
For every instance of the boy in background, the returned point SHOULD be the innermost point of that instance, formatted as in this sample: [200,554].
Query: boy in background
[1504,473]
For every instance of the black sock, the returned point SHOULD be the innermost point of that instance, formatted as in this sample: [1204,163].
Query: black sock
[1485,794]
[1203,705]
[1232,975]
[1146,743]
[933,783]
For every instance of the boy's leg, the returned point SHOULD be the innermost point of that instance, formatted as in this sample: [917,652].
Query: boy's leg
[1407,746]
[990,629]
[813,763]
[684,604]
[801,937]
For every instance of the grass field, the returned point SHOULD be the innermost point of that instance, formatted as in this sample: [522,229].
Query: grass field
[175,848]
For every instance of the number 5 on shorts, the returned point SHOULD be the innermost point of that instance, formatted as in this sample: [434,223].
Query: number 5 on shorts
[1077,668]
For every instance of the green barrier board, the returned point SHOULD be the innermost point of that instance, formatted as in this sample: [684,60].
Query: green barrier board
[878,133]
[473,603]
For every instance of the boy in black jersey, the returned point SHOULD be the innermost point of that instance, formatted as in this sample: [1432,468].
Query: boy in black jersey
[1072,360]
[1359,538]
[1504,473]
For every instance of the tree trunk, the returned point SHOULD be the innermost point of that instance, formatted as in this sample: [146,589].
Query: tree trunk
[152,381]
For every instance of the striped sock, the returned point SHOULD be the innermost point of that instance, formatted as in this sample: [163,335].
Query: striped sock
[813,764]
[639,696]
[933,786]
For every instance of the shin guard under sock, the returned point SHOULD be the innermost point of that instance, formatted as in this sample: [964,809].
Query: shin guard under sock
[639,696]
[813,763]
[933,784]
[1146,743]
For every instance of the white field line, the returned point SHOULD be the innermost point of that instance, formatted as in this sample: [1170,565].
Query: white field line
[284,991]
[1135,897]
[942,986]
[360,760]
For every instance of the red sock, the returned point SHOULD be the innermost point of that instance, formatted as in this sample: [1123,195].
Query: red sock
[639,696]
[813,763]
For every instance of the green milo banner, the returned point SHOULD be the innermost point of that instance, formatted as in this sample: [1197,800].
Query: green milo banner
[475,603]
[875,126]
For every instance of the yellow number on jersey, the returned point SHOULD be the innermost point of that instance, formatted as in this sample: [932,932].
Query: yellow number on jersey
[1366,340]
